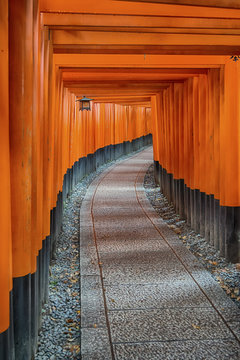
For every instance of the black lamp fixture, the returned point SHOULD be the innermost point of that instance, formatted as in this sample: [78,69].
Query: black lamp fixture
[84,103]
[235,57]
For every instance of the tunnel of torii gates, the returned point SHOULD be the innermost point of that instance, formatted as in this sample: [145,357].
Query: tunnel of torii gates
[151,67]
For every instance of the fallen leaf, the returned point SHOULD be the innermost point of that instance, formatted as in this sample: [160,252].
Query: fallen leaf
[75,349]
[196,326]
[69,321]
[95,326]
[74,280]
[72,325]
[177,230]
[213,262]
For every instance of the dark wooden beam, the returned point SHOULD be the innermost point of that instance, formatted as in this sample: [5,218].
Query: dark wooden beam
[230,4]
[147,49]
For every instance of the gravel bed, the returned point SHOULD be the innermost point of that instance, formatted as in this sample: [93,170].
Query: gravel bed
[226,273]
[59,337]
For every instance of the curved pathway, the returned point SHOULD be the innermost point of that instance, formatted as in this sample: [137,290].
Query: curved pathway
[143,294]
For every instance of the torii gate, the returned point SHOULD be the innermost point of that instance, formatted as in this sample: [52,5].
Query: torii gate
[151,66]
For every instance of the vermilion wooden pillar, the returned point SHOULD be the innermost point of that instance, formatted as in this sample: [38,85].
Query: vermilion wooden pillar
[45,53]
[230,162]
[20,115]
[6,348]
[37,176]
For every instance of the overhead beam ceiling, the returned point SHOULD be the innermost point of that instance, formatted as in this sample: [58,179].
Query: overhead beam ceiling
[116,48]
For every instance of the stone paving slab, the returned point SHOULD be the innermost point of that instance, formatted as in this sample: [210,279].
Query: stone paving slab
[127,246]
[89,261]
[124,211]
[162,295]
[168,324]
[95,344]
[178,350]
[119,235]
[144,271]
[147,295]
[92,311]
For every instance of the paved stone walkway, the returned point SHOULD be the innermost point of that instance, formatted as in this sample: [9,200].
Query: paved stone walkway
[143,294]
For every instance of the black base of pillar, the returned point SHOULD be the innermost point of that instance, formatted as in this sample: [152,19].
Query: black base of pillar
[5,347]
[207,217]
[188,199]
[40,285]
[156,173]
[82,167]
[175,194]
[211,221]
[232,234]
[197,210]
[202,213]
[192,220]
[220,225]
[22,317]
[34,312]
[181,198]
[46,267]
[216,223]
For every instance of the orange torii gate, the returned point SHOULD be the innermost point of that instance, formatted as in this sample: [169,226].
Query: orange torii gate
[160,67]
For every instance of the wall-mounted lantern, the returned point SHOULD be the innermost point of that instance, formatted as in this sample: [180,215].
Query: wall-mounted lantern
[84,103]
[235,58]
